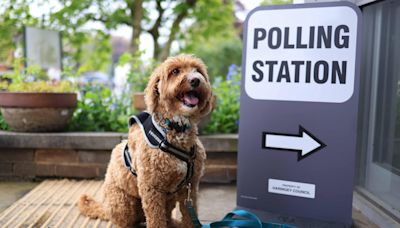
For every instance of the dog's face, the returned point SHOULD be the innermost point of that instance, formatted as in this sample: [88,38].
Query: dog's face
[180,86]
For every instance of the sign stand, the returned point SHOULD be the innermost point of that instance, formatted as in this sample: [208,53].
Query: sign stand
[298,114]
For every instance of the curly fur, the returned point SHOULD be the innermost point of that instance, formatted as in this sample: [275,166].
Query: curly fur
[130,200]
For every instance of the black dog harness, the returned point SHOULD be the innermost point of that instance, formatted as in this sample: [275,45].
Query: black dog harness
[155,137]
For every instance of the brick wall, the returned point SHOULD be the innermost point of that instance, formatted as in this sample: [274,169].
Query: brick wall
[86,155]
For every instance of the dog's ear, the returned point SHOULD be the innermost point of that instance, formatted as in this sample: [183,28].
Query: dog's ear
[210,105]
[151,93]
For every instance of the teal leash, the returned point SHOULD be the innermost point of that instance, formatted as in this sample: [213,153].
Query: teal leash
[192,213]
[248,220]
[191,210]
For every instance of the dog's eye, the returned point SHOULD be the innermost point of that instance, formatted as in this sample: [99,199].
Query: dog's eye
[175,71]
[198,71]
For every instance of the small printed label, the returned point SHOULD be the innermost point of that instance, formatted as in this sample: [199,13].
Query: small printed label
[291,188]
[64,112]
[248,197]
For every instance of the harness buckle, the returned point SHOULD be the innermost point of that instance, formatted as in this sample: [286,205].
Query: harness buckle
[161,145]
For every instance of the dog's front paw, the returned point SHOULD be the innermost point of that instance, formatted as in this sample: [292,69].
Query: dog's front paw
[179,224]
[175,224]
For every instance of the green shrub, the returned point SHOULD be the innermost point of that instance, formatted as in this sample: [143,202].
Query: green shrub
[225,117]
[140,72]
[99,110]
[3,125]
[33,79]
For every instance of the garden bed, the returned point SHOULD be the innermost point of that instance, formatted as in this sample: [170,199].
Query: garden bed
[86,155]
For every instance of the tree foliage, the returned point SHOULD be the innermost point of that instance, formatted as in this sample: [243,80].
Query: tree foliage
[214,38]
[14,15]
[219,53]
[275,2]
[165,20]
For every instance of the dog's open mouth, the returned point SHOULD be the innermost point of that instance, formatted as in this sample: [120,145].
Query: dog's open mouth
[189,99]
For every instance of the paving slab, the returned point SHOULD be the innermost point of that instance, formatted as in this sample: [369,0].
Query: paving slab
[12,191]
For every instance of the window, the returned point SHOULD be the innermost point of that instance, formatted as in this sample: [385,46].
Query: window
[379,144]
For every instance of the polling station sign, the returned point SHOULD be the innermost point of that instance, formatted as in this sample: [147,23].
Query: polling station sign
[298,112]
[308,59]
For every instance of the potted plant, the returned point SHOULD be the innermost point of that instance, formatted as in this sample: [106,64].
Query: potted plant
[138,77]
[30,102]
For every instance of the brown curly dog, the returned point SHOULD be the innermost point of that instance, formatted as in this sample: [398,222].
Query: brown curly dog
[177,96]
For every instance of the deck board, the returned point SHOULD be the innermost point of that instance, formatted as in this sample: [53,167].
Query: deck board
[53,204]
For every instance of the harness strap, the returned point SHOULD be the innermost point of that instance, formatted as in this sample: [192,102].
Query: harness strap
[184,156]
[154,134]
[128,160]
[155,137]
[180,154]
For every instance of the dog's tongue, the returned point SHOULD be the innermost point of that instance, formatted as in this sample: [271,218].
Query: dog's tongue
[190,99]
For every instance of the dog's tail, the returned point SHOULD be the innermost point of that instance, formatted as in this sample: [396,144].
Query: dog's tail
[90,208]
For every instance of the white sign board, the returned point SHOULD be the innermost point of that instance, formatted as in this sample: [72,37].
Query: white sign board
[298,113]
[294,57]
[43,48]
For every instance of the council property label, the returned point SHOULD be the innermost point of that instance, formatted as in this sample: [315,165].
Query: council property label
[291,56]
[291,188]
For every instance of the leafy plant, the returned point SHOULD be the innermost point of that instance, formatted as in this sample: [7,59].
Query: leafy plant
[99,110]
[219,53]
[275,2]
[33,79]
[14,15]
[225,117]
[3,125]
[139,73]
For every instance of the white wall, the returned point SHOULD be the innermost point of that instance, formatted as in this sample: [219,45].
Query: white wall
[311,1]
[357,2]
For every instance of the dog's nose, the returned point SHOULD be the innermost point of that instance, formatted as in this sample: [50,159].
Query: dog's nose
[195,82]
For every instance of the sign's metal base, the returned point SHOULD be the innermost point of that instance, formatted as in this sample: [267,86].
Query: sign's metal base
[294,221]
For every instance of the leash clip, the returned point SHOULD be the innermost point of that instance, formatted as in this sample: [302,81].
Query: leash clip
[189,188]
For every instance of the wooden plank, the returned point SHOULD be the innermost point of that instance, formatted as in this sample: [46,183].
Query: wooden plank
[95,195]
[53,190]
[24,207]
[23,200]
[89,186]
[77,187]
[78,216]
[53,204]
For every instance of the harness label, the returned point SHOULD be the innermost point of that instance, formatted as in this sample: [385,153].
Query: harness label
[291,188]
[152,134]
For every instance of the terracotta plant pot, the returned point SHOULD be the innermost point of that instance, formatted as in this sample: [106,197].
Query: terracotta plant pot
[37,112]
[138,101]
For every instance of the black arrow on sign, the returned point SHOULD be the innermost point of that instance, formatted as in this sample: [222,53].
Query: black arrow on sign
[304,143]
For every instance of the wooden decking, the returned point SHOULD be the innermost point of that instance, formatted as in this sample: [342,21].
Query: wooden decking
[53,204]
